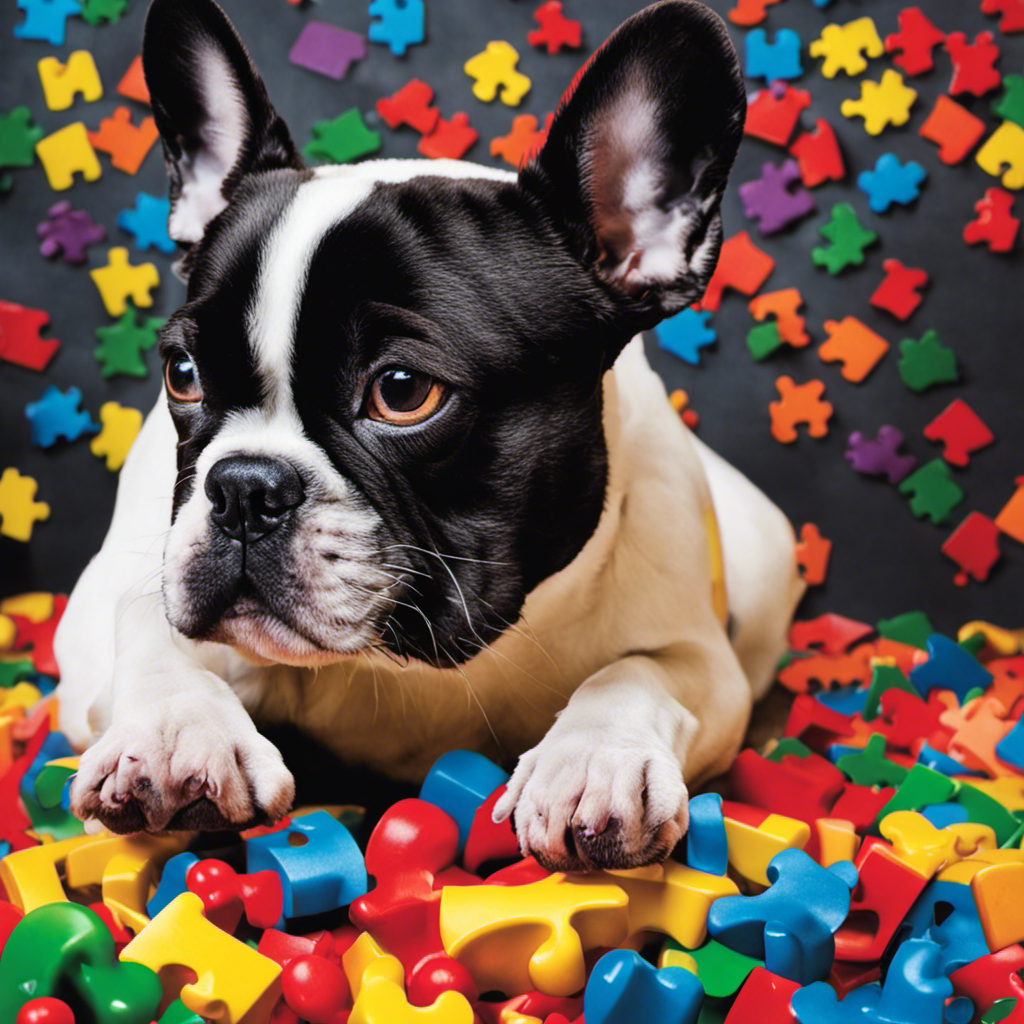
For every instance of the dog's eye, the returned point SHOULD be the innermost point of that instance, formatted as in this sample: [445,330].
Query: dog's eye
[403,396]
[182,379]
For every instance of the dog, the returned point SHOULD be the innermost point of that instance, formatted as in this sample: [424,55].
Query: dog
[423,490]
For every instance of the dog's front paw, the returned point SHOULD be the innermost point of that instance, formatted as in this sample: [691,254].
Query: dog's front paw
[182,763]
[596,798]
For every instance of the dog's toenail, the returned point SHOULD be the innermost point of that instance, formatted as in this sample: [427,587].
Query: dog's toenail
[142,784]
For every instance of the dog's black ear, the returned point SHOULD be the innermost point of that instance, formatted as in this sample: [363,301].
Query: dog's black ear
[639,153]
[212,110]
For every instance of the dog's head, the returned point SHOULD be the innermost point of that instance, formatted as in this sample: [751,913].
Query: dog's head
[386,379]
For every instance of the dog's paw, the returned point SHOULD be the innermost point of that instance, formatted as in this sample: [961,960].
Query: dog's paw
[596,798]
[181,764]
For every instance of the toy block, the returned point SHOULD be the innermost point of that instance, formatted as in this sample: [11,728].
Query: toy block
[955,130]
[974,69]
[927,362]
[1010,106]
[880,456]
[523,142]
[20,342]
[995,224]
[122,344]
[881,104]
[62,82]
[450,140]
[69,233]
[126,143]
[898,293]
[891,182]
[914,43]
[19,511]
[855,345]
[147,221]
[133,83]
[397,23]
[797,404]
[121,425]
[411,106]
[848,240]
[961,431]
[685,334]
[749,12]
[1011,518]
[66,152]
[46,20]
[494,74]
[57,415]
[819,156]
[764,998]
[623,987]
[1011,11]
[327,49]
[753,843]
[459,782]
[556,30]
[120,281]
[846,47]
[1004,150]
[776,199]
[779,59]
[707,844]
[741,265]
[774,112]
[342,140]
[784,305]
[95,12]
[932,491]
[812,554]
[974,546]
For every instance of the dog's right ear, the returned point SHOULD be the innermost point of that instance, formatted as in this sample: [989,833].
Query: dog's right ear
[212,110]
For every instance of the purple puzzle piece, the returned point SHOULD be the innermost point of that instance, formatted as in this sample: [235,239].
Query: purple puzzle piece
[777,198]
[70,231]
[327,49]
[880,457]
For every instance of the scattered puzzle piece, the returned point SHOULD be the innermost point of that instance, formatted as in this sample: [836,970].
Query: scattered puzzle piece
[133,83]
[802,403]
[126,143]
[1010,106]
[18,138]
[849,240]
[68,233]
[556,30]
[779,59]
[65,152]
[749,12]
[119,280]
[1011,518]
[97,11]
[974,69]
[899,292]
[927,362]
[845,47]
[961,431]
[914,43]
[450,140]
[523,141]
[399,23]
[974,546]
[56,415]
[812,554]
[147,221]
[327,49]
[773,113]
[19,337]
[777,198]
[46,20]
[763,340]
[932,491]
[625,987]
[881,456]
[411,106]
[1004,151]
[819,155]
[1012,12]
[741,265]
[62,82]
[955,130]
[122,344]
[784,305]
[686,333]
[853,344]
[494,69]
[891,182]
[121,425]
[342,140]
[19,511]
[881,104]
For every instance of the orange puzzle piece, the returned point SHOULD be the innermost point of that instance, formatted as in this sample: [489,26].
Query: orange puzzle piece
[741,265]
[799,403]
[126,143]
[953,128]
[523,142]
[1011,519]
[133,84]
[812,554]
[750,12]
[784,304]
[853,344]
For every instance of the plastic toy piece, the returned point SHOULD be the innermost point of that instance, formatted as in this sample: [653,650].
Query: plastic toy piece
[411,106]
[398,23]
[523,141]
[488,840]
[723,971]
[914,43]
[97,11]
[1011,11]
[46,20]
[327,49]
[707,845]
[63,81]
[147,221]
[974,546]
[381,1000]
[494,74]
[961,431]
[19,511]
[776,199]
[954,129]
[459,782]
[845,47]
[556,30]
[881,104]
[315,987]
[763,340]
[784,305]
[449,140]
[226,895]
[855,345]
[891,182]
[881,456]
[932,491]
[990,977]
[773,113]
[870,766]
[1011,518]
[46,1010]
[121,425]
[623,988]
[686,333]
[764,998]
[133,84]
[949,667]
[66,152]
[18,138]
[812,554]
[1010,106]
[19,337]
[1004,149]
[779,59]
[899,293]
[57,415]
[38,635]
[974,69]
[927,362]
[122,344]
[749,12]
[741,265]
[849,240]
[127,144]
[120,281]
[69,233]
[342,140]
[995,224]
[819,155]
[802,403]
[997,889]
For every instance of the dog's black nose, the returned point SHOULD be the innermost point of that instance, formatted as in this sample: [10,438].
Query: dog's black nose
[252,495]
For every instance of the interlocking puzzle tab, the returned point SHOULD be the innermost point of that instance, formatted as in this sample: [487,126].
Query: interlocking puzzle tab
[881,104]
[961,430]
[819,155]
[523,141]
[741,265]
[933,492]
[849,240]
[845,47]
[20,342]
[342,140]
[914,43]
[96,12]
[450,139]
[1003,154]
[880,456]
[974,70]
[63,81]
[777,198]
[624,987]
[812,554]
[494,74]
[19,511]
[995,224]
[974,546]
[899,293]
[955,130]
[327,49]
[784,305]
[119,281]
[57,415]
[126,143]
[927,362]
[556,30]
[46,20]
[66,152]
[686,333]
[779,59]
[121,425]
[411,106]
[798,404]
[398,23]
[891,182]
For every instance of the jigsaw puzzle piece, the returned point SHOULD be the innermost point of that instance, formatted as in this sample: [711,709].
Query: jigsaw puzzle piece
[556,30]
[19,336]
[774,112]
[961,430]
[1003,154]
[411,106]
[855,345]
[328,49]
[450,140]
[974,69]
[779,59]
[133,83]
[57,415]
[147,221]
[97,11]
[949,666]
[954,129]
[798,404]
[342,140]
[46,20]
[881,104]
[899,292]
[784,305]
[523,142]
[776,199]
[927,362]
[494,74]
[933,492]
[880,456]
[398,23]
[69,233]
[686,333]
[1011,11]
[18,138]
[995,224]
[122,344]
[750,12]
[819,156]
[845,47]
[914,43]
[63,81]
[119,281]
[1010,106]
[19,511]
[1011,518]
[848,240]
[741,265]
[121,425]
[812,554]
[126,143]
[623,988]
[891,182]
[67,152]
[974,546]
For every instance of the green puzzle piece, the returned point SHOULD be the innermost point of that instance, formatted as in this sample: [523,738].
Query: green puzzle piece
[96,11]
[985,810]
[927,362]
[933,493]
[1010,106]
[763,340]
[12,672]
[54,821]
[50,784]
[849,240]
[885,677]
[18,138]
[721,970]
[123,342]
[912,628]
[788,745]
[999,1010]
[870,766]
[921,787]
[344,139]
[179,1013]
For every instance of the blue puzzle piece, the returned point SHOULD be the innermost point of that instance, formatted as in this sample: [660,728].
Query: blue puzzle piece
[915,990]
[941,815]
[942,762]
[65,793]
[55,745]
[1011,747]
[791,925]
[56,414]
[847,700]
[685,334]
[822,3]
[707,845]
[324,873]
[624,988]
[148,222]
[459,782]
[947,914]
[891,182]
[172,882]
[778,59]
[949,667]
[44,684]
[400,24]
[46,19]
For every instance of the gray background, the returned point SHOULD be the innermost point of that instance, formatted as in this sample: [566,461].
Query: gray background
[884,561]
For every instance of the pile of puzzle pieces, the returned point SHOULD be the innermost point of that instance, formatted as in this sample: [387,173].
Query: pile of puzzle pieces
[866,867]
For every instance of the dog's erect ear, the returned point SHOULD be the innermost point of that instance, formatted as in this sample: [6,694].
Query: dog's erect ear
[639,153]
[212,110]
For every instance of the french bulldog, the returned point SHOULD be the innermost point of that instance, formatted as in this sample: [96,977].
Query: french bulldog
[411,484]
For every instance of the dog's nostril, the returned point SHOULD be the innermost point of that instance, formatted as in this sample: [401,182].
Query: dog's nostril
[252,495]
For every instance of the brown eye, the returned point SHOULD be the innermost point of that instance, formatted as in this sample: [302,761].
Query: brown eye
[403,396]
[182,379]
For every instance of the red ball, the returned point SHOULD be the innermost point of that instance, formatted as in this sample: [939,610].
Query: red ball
[45,1011]
[315,988]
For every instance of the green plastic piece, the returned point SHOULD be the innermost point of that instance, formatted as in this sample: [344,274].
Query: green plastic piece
[50,784]
[911,628]
[978,691]
[788,745]
[1010,106]
[927,362]
[973,644]
[344,139]
[18,138]
[884,677]
[53,821]
[1017,839]
[712,1013]
[933,492]
[97,11]
[985,810]
[849,240]
[921,787]
[870,766]
[123,342]
[999,1010]
[763,340]
[722,971]
[12,672]
[179,1013]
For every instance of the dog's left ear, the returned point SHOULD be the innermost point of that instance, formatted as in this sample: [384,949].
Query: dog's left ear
[639,154]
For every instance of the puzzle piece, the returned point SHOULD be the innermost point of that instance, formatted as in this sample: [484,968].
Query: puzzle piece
[65,152]
[119,280]
[927,362]
[19,336]
[97,11]
[914,43]
[342,140]
[133,83]
[881,456]
[891,182]
[556,30]
[56,415]
[19,511]
[327,49]
[122,344]
[494,69]
[1011,518]
[898,293]
[1011,11]
[777,198]
[974,69]
[741,265]
[779,59]
[1004,150]
[147,221]
[974,546]
[881,104]
[932,491]
[523,142]
[849,240]
[121,426]
[126,143]
[750,12]
[773,112]
[460,782]
[961,431]
[819,155]
[812,554]
[853,344]
[411,106]
[62,82]
[784,305]
[1010,106]
[46,20]
[69,233]
[955,130]
[845,47]
[399,23]
[18,138]
[624,988]
[686,333]
[450,140]
[802,403]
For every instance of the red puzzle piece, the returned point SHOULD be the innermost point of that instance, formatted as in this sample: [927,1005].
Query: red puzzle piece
[961,430]
[974,69]
[801,788]
[19,336]
[995,224]
[830,634]
[749,12]
[974,546]
[992,977]
[39,636]
[523,142]
[898,293]
[741,265]
[411,106]
[449,139]
[556,30]
[226,894]
[773,113]
[764,998]
[487,840]
[914,42]
[316,989]
[816,725]
[1012,20]
[955,130]
[819,155]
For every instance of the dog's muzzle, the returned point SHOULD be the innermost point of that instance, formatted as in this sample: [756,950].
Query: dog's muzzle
[252,495]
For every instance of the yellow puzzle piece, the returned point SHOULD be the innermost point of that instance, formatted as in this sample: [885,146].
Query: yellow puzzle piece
[119,280]
[30,875]
[844,47]
[36,606]
[234,984]
[963,871]
[751,848]
[121,425]
[61,82]
[66,152]
[1004,149]
[999,894]
[881,104]
[21,695]
[494,67]
[927,849]
[1005,642]
[19,511]
[837,840]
